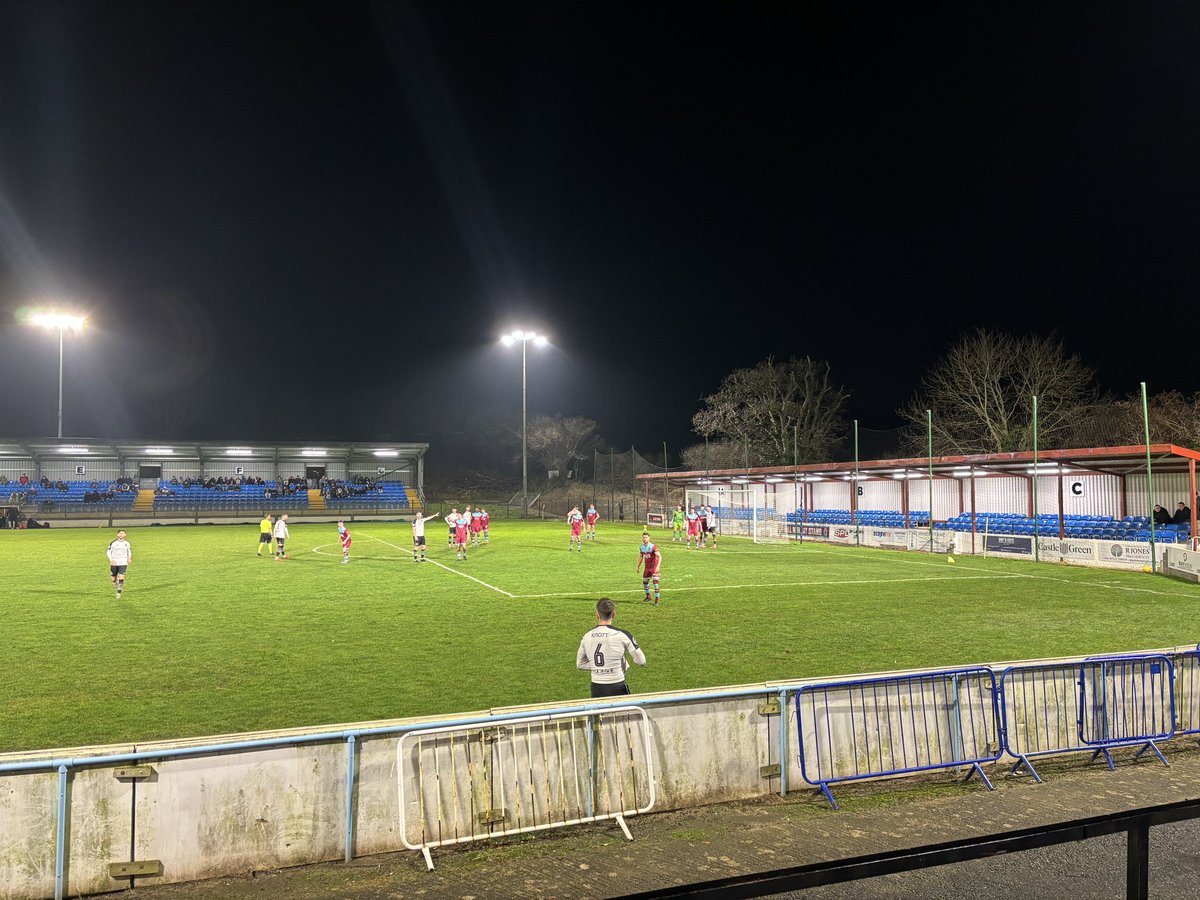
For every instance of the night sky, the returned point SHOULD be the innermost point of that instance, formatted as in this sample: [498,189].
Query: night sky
[307,221]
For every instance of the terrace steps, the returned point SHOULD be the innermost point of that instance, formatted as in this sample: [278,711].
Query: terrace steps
[315,500]
[144,503]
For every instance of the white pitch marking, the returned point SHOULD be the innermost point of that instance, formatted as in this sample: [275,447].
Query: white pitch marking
[320,549]
[1112,586]
[444,566]
[732,587]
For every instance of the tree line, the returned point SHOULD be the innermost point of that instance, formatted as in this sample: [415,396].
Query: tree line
[980,393]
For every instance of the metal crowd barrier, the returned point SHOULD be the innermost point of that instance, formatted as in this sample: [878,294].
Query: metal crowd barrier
[1095,705]
[895,725]
[522,775]
[1187,692]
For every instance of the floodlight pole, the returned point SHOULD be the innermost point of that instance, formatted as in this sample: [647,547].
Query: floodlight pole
[524,460]
[60,380]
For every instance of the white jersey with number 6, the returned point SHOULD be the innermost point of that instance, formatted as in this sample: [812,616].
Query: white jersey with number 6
[602,652]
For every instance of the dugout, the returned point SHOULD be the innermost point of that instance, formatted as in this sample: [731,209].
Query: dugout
[1107,483]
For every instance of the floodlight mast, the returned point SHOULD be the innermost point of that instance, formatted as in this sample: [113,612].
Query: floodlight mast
[539,340]
[62,322]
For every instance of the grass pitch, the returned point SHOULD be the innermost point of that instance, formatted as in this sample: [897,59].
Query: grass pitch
[210,639]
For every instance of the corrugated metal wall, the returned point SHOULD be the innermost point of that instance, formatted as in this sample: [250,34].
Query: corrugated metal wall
[12,468]
[1083,495]
[831,494]
[94,469]
[945,496]
[882,495]
[998,494]
[1168,491]
[1095,494]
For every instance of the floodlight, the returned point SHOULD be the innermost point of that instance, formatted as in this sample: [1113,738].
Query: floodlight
[238,451]
[72,449]
[160,451]
[313,452]
[387,452]
[520,335]
[58,321]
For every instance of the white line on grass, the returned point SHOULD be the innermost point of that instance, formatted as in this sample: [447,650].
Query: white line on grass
[444,566]
[734,587]
[1112,586]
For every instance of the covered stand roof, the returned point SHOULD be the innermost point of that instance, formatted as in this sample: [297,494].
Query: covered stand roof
[206,451]
[1099,460]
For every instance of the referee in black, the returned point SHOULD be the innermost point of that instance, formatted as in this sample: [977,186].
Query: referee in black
[602,652]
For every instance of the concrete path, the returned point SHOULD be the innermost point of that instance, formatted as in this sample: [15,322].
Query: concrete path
[740,838]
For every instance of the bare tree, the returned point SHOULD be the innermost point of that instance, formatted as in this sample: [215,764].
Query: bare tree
[766,405]
[716,455]
[558,442]
[981,394]
[1174,419]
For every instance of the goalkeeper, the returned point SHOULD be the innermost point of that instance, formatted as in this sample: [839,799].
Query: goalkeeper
[677,525]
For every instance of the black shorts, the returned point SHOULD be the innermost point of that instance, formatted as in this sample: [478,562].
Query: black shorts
[264,538]
[419,541]
[704,526]
[610,690]
[117,570]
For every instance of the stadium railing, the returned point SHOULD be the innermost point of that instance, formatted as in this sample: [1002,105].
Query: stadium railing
[531,774]
[1092,706]
[897,725]
[1187,693]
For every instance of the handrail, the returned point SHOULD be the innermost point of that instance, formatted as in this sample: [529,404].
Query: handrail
[1136,823]
[316,737]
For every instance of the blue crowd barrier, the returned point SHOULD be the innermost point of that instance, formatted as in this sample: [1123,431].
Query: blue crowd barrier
[896,725]
[1092,706]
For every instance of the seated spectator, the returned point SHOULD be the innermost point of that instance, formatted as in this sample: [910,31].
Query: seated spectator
[1183,514]
[24,479]
[1161,516]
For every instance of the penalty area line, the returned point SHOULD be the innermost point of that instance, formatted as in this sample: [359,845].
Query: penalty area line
[1079,582]
[446,567]
[734,587]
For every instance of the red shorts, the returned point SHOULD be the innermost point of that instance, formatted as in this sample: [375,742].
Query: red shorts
[346,544]
[576,531]
[460,537]
[653,574]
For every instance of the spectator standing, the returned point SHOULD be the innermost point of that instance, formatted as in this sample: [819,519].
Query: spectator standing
[602,653]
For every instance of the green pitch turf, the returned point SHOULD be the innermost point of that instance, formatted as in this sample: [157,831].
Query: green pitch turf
[210,639]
